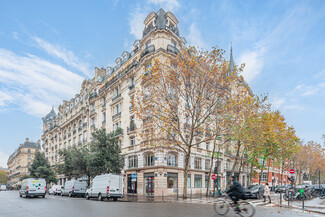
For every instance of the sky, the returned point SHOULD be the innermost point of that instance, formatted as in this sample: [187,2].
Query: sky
[47,48]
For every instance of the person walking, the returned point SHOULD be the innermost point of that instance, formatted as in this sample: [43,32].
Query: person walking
[267,192]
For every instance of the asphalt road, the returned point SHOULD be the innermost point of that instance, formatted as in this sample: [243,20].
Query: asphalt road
[11,205]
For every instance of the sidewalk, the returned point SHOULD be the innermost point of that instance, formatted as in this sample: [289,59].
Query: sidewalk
[315,205]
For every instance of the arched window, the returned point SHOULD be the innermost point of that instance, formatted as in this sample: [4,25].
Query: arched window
[149,159]
[171,160]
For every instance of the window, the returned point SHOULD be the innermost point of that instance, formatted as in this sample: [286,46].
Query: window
[197,163]
[29,151]
[85,136]
[132,81]
[149,159]
[74,141]
[104,117]
[189,181]
[264,177]
[93,122]
[80,124]
[132,141]
[197,181]
[85,119]
[29,157]
[80,138]
[93,107]
[171,160]
[207,164]
[207,146]
[172,180]
[133,161]
[104,101]
[228,165]
[69,143]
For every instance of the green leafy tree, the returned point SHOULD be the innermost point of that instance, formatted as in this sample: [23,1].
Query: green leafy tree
[105,154]
[3,177]
[40,168]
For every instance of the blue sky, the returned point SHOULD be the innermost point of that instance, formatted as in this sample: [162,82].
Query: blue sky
[48,47]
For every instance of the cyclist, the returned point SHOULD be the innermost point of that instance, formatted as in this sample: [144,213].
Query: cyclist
[236,192]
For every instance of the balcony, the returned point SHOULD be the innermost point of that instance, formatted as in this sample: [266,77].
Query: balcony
[131,128]
[84,124]
[147,50]
[116,97]
[172,49]
[116,115]
[118,131]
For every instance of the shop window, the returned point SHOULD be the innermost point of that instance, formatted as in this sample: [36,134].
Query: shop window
[172,180]
[197,181]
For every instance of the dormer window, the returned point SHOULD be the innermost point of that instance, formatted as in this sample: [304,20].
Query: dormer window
[173,43]
[148,43]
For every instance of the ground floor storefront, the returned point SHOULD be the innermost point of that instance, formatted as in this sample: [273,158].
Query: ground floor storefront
[162,181]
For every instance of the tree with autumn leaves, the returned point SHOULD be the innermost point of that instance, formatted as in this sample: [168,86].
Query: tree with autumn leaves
[194,98]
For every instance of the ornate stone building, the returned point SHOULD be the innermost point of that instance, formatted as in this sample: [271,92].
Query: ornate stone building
[19,161]
[105,101]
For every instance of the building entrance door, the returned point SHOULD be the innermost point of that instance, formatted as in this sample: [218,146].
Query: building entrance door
[149,184]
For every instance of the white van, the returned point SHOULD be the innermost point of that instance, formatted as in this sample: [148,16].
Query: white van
[3,187]
[33,187]
[74,188]
[106,186]
[56,190]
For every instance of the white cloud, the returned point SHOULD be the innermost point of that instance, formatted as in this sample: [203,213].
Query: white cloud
[4,98]
[254,61]
[166,5]
[67,56]
[277,102]
[194,37]
[136,22]
[3,159]
[34,84]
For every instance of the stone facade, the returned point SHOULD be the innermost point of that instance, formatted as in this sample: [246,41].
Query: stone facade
[19,161]
[105,101]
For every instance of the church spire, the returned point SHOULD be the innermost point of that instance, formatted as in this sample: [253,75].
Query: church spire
[231,62]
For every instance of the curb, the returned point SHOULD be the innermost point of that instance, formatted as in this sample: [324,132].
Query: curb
[300,208]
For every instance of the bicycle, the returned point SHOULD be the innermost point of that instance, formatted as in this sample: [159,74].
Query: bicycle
[246,209]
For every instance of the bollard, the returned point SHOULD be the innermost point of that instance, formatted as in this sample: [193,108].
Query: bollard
[191,193]
[289,195]
[162,195]
[201,193]
[177,194]
[303,203]
[280,198]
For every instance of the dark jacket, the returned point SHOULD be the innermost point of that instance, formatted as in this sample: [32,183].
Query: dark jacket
[236,188]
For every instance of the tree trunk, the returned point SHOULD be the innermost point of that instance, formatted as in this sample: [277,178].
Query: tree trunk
[261,172]
[282,173]
[235,163]
[268,170]
[211,165]
[251,175]
[187,159]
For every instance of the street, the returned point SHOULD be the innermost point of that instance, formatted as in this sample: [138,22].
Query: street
[11,205]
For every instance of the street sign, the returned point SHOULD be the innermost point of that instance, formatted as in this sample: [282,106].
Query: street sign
[134,175]
[292,171]
[213,177]
[133,180]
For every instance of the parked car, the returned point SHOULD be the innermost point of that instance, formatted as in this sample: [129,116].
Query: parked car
[3,187]
[74,188]
[254,191]
[33,187]
[280,188]
[106,186]
[56,190]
